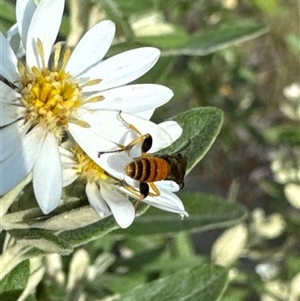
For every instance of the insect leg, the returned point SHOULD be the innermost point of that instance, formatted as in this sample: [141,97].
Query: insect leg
[121,146]
[146,139]
[146,142]
[144,191]
[141,194]
[131,126]
[156,191]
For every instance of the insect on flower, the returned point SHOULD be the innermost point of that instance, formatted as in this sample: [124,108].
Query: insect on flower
[150,168]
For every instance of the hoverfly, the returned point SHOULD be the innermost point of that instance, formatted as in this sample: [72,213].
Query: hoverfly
[150,168]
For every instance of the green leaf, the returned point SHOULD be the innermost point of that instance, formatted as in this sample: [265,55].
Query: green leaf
[292,265]
[138,261]
[206,212]
[293,41]
[160,72]
[130,7]
[286,134]
[271,7]
[64,29]
[85,234]
[115,13]
[161,268]
[200,129]
[171,265]
[90,232]
[7,16]
[237,293]
[209,41]
[206,282]
[43,240]
[31,298]
[13,284]
[178,38]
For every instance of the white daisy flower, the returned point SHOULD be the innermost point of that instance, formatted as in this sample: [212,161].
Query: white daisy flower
[108,192]
[100,187]
[75,92]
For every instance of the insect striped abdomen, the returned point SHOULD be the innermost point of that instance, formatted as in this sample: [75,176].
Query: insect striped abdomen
[148,169]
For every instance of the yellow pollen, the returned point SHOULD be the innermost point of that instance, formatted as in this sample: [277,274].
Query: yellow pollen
[66,58]
[94,99]
[21,68]
[41,52]
[57,51]
[87,168]
[92,82]
[81,123]
[50,94]
[44,92]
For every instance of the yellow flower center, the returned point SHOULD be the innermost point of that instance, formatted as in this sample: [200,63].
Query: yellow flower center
[87,168]
[51,95]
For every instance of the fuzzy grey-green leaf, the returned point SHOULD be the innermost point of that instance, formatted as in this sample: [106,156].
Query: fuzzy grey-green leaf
[85,234]
[200,129]
[209,41]
[205,282]
[12,285]
[45,241]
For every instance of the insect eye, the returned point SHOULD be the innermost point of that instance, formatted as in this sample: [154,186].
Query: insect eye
[147,143]
[144,189]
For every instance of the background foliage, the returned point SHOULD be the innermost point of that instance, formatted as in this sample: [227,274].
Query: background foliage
[241,241]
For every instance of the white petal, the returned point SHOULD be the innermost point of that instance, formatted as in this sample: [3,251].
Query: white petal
[7,94]
[89,140]
[122,68]
[10,113]
[96,200]
[91,48]
[172,128]
[67,159]
[167,185]
[18,165]
[145,114]
[10,137]
[69,176]
[122,209]
[24,11]
[13,30]
[67,162]
[8,65]
[65,153]
[47,175]
[44,25]
[15,42]
[133,98]
[114,163]
[167,201]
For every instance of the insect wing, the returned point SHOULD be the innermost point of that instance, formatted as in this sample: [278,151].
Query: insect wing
[136,150]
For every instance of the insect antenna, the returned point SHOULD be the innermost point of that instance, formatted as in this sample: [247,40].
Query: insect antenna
[110,152]
[7,82]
